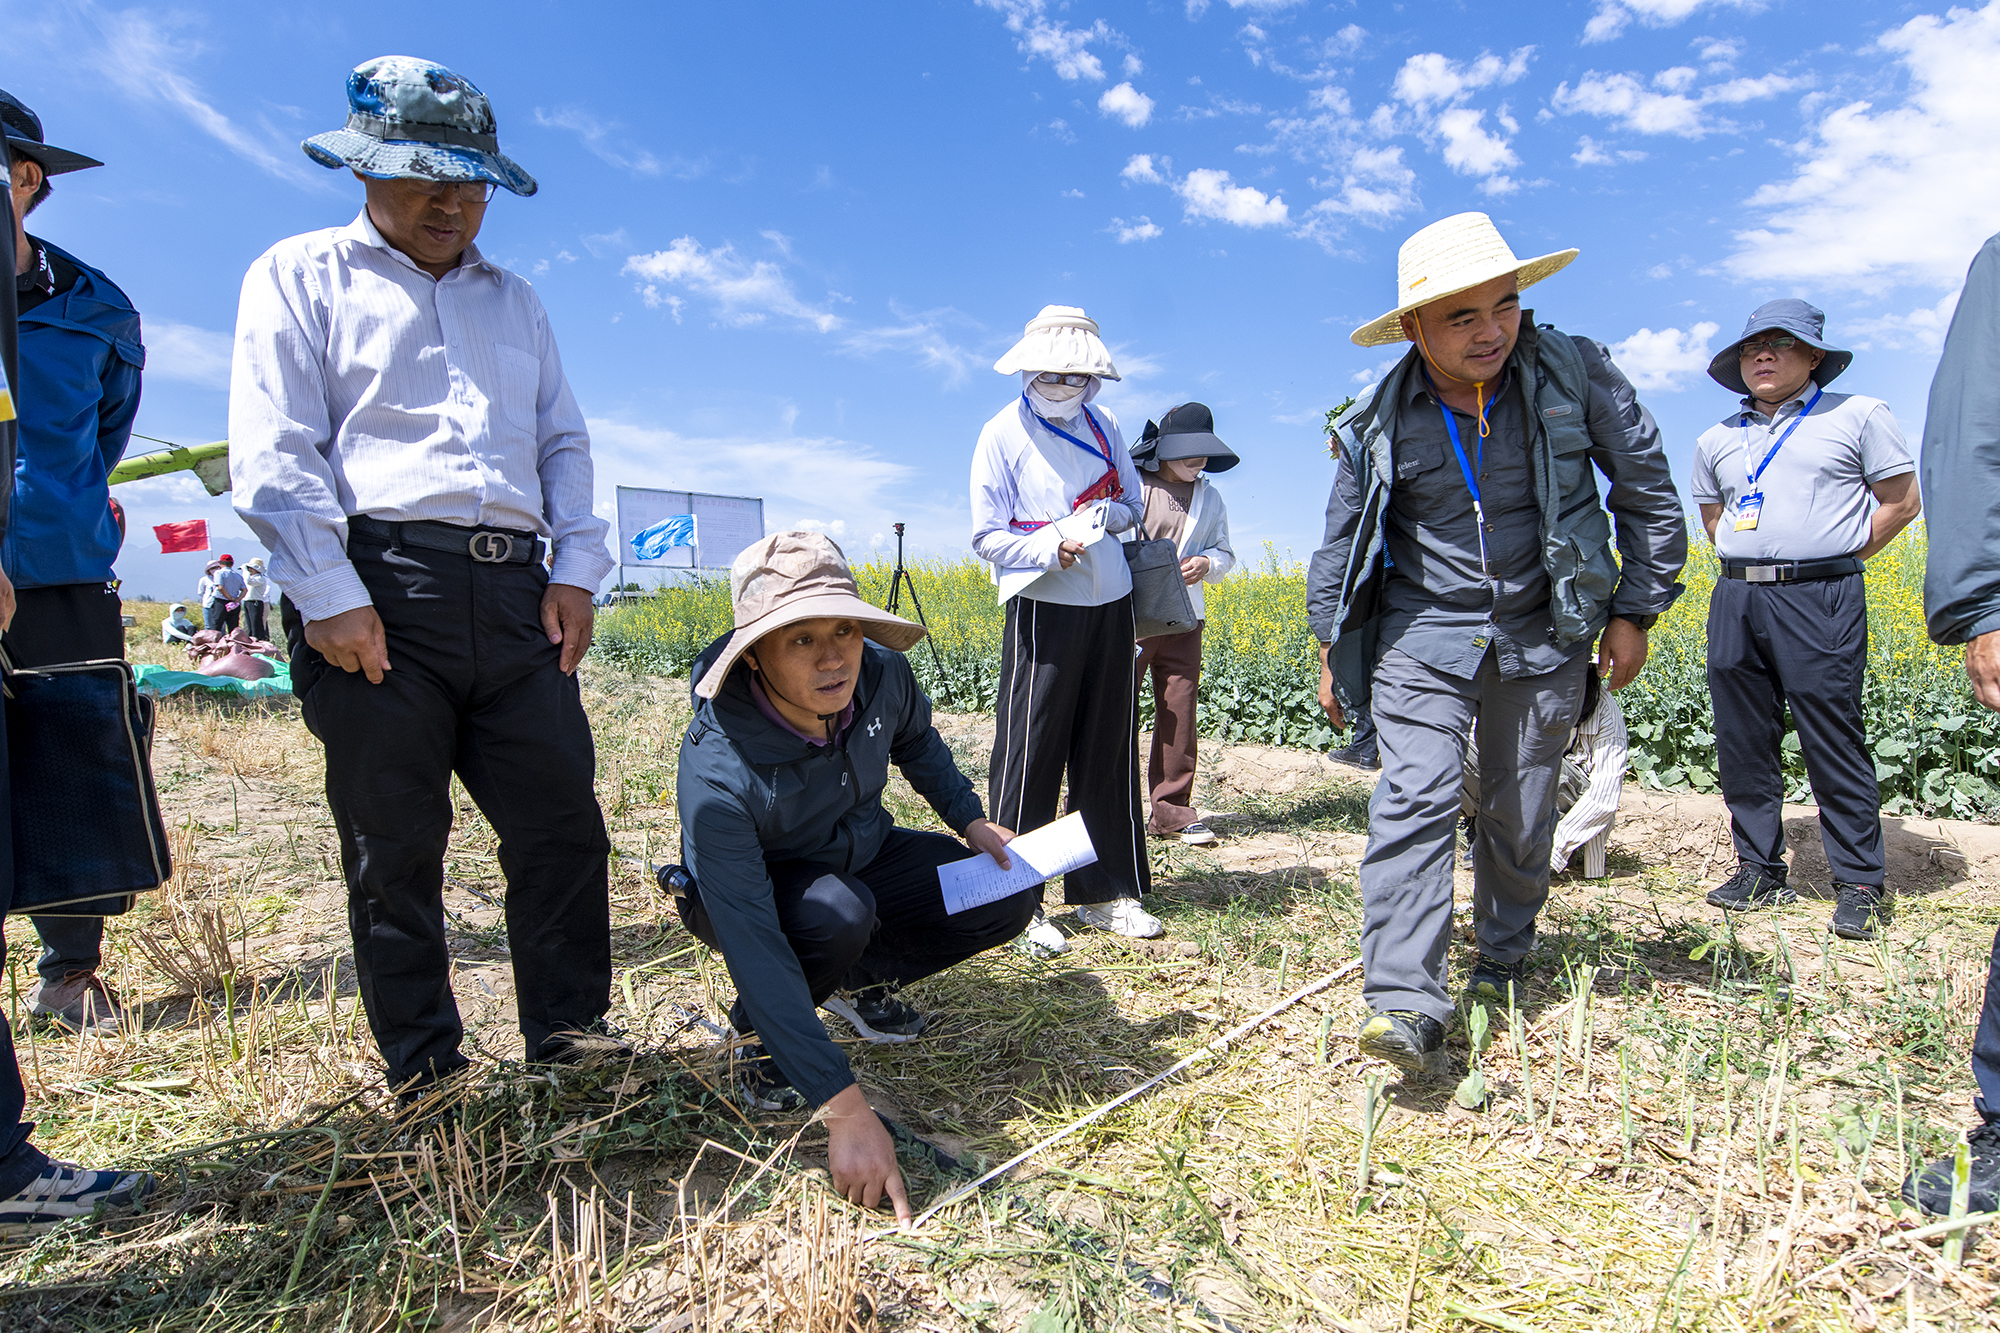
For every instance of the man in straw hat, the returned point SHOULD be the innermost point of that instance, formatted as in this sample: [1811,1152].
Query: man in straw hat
[1469,467]
[1786,484]
[402,439]
[1051,479]
[794,870]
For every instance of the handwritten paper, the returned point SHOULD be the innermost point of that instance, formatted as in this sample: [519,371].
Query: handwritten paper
[1051,850]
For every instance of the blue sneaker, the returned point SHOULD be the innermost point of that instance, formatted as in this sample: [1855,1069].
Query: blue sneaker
[65,1190]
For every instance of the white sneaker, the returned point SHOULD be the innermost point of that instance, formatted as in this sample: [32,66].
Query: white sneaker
[1043,938]
[1197,834]
[1123,915]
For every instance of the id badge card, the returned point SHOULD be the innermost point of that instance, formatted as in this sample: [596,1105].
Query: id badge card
[1749,507]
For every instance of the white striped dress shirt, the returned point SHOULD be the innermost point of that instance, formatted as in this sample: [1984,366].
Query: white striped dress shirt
[361,385]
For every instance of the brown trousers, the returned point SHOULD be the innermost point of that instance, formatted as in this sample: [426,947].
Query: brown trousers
[1175,661]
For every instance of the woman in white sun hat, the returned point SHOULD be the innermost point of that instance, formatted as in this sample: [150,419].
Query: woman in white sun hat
[1466,574]
[1051,480]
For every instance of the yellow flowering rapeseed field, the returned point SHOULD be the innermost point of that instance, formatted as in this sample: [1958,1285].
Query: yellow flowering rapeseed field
[1934,746]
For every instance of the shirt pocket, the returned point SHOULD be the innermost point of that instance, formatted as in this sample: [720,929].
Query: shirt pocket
[518,377]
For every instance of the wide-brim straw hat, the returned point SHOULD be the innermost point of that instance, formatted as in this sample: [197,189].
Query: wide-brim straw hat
[1453,255]
[794,576]
[1063,339]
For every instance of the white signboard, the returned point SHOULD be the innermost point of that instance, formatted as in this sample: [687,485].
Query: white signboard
[723,526]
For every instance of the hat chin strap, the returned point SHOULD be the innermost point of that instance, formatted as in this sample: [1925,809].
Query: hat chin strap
[770,686]
[1478,386]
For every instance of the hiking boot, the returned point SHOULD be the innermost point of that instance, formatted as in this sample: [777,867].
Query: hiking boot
[1123,916]
[878,1016]
[1493,982]
[1197,834]
[65,1190]
[599,1043]
[1750,888]
[1041,939]
[1862,910]
[1410,1041]
[1929,1188]
[80,1002]
[761,1084]
[1364,755]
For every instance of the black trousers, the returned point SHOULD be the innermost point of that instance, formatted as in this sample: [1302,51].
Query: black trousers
[882,925]
[217,616]
[1805,645]
[1068,701]
[474,689]
[254,622]
[70,622]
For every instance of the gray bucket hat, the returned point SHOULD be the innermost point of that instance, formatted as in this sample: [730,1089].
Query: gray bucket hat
[24,135]
[415,118]
[1786,315]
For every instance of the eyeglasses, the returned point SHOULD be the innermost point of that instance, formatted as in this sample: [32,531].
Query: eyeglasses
[1768,345]
[469,192]
[1051,377]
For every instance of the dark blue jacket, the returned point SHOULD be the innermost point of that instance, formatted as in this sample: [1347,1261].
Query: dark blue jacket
[1961,463]
[751,791]
[80,363]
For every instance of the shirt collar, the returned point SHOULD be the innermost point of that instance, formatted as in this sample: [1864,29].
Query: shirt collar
[364,232]
[1417,388]
[41,274]
[1798,400]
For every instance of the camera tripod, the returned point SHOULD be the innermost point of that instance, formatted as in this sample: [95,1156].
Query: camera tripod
[899,580]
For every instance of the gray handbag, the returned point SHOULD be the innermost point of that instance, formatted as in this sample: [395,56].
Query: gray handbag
[1160,603]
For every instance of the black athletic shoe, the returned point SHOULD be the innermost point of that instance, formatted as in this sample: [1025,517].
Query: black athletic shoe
[1361,754]
[1929,1188]
[761,1084]
[1750,888]
[1862,910]
[1491,981]
[878,1016]
[1409,1041]
[600,1043]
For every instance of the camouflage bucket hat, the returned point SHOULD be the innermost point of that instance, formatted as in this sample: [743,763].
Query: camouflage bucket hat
[414,118]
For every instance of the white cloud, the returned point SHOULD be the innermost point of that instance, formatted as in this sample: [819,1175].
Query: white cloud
[1659,362]
[597,137]
[1469,148]
[1718,53]
[1139,229]
[185,352]
[1127,104]
[1045,39]
[1900,193]
[1612,16]
[921,336]
[1346,42]
[1264,6]
[1632,105]
[1141,169]
[1432,78]
[1678,79]
[1134,66]
[1921,330]
[1438,91]
[745,292]
[1590,153]
[1208,193]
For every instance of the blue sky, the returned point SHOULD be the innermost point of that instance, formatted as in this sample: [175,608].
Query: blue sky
[782,243]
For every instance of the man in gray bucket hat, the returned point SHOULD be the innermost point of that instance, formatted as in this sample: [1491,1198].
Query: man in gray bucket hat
[404,441]
[1797,488]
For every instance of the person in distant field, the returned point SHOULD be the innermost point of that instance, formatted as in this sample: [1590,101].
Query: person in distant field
[795,871]
[81,358]
[256,597]
[1068,705]
[404,443]
[1181,506]
[221,593]
[1961,486]
[1797,488]
[1466,574]
[177,627]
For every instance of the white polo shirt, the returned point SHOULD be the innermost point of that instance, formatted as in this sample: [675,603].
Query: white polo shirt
[1817,503]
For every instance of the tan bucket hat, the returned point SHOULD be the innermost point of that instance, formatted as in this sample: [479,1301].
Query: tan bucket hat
[1453,255]
[1061,338]
[794,576]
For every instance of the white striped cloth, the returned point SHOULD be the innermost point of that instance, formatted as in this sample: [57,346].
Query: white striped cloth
[363,386]
[1593,778]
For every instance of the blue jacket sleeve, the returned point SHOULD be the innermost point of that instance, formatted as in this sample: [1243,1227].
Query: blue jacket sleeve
[1961,464]
[927,761]
[120,403]
[719,844]
[1329,562]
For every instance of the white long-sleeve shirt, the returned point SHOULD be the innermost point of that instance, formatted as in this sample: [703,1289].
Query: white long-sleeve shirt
[1023,473]
[361,385]
[1207,533]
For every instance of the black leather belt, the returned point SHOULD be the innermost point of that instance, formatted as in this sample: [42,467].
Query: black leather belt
[487,546]
[1789,571]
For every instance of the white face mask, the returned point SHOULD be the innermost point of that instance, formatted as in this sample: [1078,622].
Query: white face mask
[1059,401]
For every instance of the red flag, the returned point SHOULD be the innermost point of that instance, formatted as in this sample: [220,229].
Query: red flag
[191,535]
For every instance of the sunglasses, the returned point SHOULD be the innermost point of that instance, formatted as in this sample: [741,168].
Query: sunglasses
[468,192]
[1051,377]
[1768,345]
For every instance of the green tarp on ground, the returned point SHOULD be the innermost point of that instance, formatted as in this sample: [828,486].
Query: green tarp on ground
[160,681]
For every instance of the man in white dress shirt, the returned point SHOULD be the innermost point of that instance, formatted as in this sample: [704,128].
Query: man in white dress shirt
[403,440]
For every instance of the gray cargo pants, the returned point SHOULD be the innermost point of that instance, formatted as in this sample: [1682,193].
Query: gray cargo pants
[1423,715]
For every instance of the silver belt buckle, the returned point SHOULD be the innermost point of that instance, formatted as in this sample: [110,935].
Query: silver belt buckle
[1761,574]
[491,548]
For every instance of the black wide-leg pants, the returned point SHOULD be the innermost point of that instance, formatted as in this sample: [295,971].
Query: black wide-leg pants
[1068,701]
[1802,645]
[474,689]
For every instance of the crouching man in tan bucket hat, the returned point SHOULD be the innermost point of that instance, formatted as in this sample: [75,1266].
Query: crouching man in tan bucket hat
[793,868]
[1472,467]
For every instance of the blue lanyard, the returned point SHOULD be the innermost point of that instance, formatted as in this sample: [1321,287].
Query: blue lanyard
[1464,464]
[1744,422]
[1104,457]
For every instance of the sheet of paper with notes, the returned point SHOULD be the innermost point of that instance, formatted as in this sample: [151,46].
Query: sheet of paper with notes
[1051,850]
